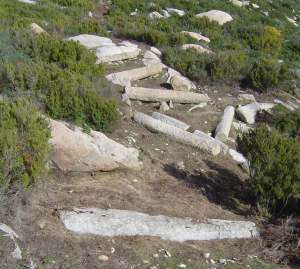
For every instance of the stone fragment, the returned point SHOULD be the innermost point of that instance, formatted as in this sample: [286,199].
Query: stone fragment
[169,120]
[164,107]
[115,222]
[248,112]
[36,28]
[223,128]
[206,255]
[197,106]
[155,14]
[266,106]
[241,127]
[124,78]
[28,1]
[126,99]
[90,14]
[150,58]
[196,36]
[158,95]
[103,258]
[177,133]
[216,15]
[92,41]
[199,48]
[156,51]
[180,83]
[293,105]
[17,254]
[181,265]
[238,157]
[247,97]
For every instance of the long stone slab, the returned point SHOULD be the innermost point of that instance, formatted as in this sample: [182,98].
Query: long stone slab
[123,78]
[157,126]
[224,148]
[170,120]
[92,41]
[115,222]
[158,95]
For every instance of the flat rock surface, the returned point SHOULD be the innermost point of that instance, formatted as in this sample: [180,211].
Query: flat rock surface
[92,41]
[216,15]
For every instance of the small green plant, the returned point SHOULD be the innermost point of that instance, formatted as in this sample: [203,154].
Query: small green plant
[24,144]
[274,165]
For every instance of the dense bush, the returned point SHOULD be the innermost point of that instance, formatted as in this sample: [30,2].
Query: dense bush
[24,144]
[274,164]
[268,75]
[84,4]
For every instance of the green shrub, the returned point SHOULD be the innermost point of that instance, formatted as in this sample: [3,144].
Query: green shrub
[268,75]
[84,4]
[24,144]
[274,164]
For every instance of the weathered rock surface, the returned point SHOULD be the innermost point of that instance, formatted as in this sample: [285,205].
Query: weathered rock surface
[174,10]
[116,53]
[164,107]
[150,58]
[156,51]
[180,83]
[216,15]
[92,41]
[36,28]
[240,3]
[242,127]
[177,133]
[224,148]
[28,1]
[238,157]
[196,36]
[201,105]
[248,112]
[172,72]
[123,78]
[266,106]
[115,222]
[284,104]
[155,14]
[77,151]
[170,120]
[157,95]
[247,97]
[10,233]
[223,128]
[199,48]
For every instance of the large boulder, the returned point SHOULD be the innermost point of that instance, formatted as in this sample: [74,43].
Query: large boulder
[77,151]
[92,41]
[216,15]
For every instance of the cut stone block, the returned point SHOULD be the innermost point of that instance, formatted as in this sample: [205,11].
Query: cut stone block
[248,112]
[169,120]
[123,78]
[115,222]
[92,41]
[223,128]
[157,95]
[155,125]
[247,97]
[180,83]
[224,148]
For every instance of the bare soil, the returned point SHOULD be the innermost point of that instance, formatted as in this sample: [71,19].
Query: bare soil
[204,187]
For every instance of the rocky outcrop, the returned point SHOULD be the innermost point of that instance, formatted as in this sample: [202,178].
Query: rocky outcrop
[170,120]
[124,78]
[174,10]
[92,41]
[77,151]
[115,222]
[158,95]
[223,128]
[216,15]
[199,48]
[177,133]
[196,36]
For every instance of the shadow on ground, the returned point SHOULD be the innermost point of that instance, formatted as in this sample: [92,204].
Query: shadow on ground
[219,185]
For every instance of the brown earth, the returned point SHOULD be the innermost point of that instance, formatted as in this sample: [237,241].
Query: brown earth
[205,187]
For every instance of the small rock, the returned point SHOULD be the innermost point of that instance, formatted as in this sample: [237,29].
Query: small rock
[164,107]
[167,253]
[139,103]
[112,250]
[222,261]
[181,265]
[171,104]
[206,255]
[212,261]
[103,258]
[145,261]
[180,165]
[155,255]
[90,14]
[42,223]
[252,256]
[152,267]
